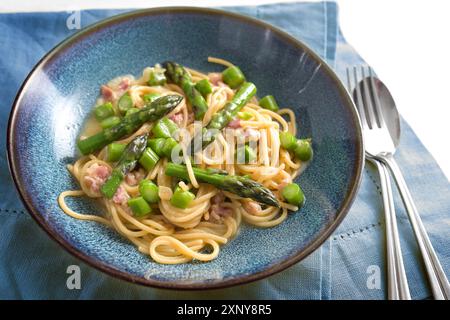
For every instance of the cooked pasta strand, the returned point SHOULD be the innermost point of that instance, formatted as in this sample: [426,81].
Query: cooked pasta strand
[172,235]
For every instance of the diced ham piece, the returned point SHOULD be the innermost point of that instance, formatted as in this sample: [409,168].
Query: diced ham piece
[252,207]
[130,179]
[215,77]
[218,198]
[121,196]
[124,84]
[108,93]
[218,212]
[96,176]
[177,118]
[133,178]
[234,124]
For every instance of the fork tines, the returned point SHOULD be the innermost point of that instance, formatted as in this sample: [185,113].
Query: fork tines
[366,99]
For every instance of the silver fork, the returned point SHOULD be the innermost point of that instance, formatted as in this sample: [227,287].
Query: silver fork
[397,283]
[381,146]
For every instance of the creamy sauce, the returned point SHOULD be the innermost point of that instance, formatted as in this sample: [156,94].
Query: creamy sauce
[91,127]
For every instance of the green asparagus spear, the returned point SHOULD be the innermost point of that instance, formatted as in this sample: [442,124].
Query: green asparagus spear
[178,75]
[239,185]
[127,163]
[129,124]
[229,111]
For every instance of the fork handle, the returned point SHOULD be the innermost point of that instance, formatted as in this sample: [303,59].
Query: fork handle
[397,283]
[436,275]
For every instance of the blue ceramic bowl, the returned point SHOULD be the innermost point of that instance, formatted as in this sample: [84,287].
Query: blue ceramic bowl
[58,95]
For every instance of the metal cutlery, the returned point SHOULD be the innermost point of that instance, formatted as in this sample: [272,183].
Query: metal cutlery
[397,281]
[381,127]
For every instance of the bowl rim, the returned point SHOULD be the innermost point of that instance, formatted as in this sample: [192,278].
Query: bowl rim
[239,280]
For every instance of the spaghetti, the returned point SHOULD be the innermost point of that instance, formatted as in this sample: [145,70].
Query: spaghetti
[173,235]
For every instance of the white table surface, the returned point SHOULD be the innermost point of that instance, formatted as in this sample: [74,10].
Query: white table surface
[406,42]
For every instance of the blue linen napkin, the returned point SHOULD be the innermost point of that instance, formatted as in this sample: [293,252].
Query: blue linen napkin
[350,265]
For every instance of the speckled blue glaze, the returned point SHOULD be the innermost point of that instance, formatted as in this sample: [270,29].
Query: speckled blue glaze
[58,96]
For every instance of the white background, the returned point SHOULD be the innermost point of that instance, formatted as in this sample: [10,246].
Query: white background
[407,43]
